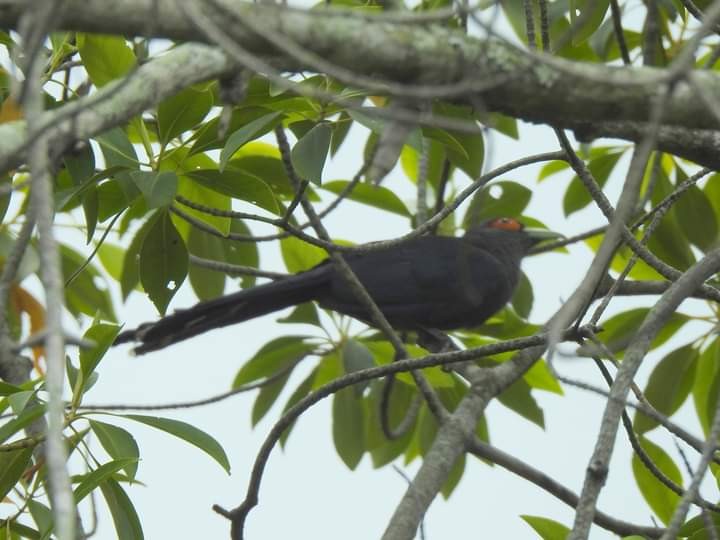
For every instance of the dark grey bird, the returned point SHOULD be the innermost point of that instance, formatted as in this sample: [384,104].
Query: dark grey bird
[428,282]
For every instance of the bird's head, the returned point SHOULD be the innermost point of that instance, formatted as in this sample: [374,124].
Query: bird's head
[508,234]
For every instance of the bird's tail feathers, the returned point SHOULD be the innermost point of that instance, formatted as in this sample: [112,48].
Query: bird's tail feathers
[227,310]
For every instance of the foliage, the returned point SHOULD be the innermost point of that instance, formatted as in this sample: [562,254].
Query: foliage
[153,195]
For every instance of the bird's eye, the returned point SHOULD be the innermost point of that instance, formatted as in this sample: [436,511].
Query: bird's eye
[506,224]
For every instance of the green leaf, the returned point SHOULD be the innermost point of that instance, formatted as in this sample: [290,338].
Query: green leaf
[263,161]
[668,240]
[467,150]
[237,184]
[696,217]
[242,253]
[712,192]
[200,193]
[120,156]
[551,168]
[668,385]
[305,313]
[247,133]
[20,400]
[267,396]
[163,262]
[131,261]
[329,369]
[14,528]
[309,153]
[110,199]
[104,57]
[81,168]
[111,257]
[487,203]
[515,14]
[471,160]
[42,515]
[103,335]
[117,149]
[93,480]
[273,357]
[299,255]
[659,498]
[712,401]
[7,389]
[507,125]
[159,189]
[695,528]
[522,300]
[80,165]
[383,451]
[560,29]
[619,330]
[546,528]
[356,356]
[540,378]
[375,196]
[91,209]
[125,518]
[85,295]
[410,161]
[518,398]
[448,140]
[207,137]
[707,384]
[348,427]
[384,353]
[25,418]
[5,199]
[119,444]
[186,432]
[585,17]
[577,196]
[206,283]
[182,112]
[12,467]
[303,389]
[341,128]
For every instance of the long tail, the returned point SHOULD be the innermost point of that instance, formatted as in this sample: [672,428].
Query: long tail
[226,310]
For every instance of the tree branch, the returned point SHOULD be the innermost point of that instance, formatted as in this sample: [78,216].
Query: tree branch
[636,351]
[441,60]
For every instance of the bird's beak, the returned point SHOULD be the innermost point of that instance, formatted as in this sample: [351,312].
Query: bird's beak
[540,235]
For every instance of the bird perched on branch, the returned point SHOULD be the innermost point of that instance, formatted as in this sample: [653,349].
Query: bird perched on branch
[428,282]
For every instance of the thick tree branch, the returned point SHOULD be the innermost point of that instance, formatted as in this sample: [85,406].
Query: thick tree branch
[115,103]
[440,60]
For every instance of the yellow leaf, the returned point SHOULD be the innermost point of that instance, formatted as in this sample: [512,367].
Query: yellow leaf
[10,111]
[24,302]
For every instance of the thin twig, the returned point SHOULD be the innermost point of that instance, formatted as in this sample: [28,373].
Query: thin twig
[191,404]
[544,481]
[233,269]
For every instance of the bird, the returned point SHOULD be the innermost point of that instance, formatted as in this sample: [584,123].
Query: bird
[425,283]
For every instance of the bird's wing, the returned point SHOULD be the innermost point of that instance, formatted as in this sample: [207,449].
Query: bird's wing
[435,282]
